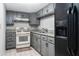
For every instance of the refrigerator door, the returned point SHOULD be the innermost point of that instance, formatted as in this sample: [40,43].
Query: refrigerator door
[77,6]
[72,30]
[61,45]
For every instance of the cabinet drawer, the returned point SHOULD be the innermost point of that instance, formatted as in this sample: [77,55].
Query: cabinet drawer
[51,40]
[11,44]
[10,39]
[44,37]
[8,34]
[14,34]
[11,34]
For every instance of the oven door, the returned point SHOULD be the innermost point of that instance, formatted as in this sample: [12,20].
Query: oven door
[22,39]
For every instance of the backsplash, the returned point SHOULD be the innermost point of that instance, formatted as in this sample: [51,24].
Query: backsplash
[18,24]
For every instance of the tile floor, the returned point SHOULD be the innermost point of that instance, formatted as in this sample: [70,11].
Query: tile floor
[13,52]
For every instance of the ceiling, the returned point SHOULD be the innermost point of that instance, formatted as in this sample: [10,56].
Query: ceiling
[25,7]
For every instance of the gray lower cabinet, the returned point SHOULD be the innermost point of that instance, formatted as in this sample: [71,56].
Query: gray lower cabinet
[31,37]
[11,45]
[34,41]
[38,45]
[43,48]
[10,39]
[51,49]
[38,42]
[51,46]
[43,44]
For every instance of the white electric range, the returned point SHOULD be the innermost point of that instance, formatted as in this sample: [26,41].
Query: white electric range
[22,37]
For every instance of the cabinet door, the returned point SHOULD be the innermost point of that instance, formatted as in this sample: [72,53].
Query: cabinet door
[31,39]
[38,45]
[40,13]
[51,40]
[10,45]
[50,8]
[34,20]
[10,18]
[10,40]
[43,48]
[35,40]
[51,49]
[45,10]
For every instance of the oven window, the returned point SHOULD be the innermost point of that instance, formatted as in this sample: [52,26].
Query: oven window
[23,38]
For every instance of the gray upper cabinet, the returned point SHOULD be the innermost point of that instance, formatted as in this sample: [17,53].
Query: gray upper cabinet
[34,20]
[40,12]
[9,18]
[21,15]
[49,9]
[45,10]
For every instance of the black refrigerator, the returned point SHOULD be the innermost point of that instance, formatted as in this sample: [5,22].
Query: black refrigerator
[67,29]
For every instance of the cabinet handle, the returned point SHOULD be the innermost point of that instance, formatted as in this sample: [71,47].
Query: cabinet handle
[47,10]
[51,40]
[46,44]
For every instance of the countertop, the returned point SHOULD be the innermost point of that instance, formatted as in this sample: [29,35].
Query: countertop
[47,34]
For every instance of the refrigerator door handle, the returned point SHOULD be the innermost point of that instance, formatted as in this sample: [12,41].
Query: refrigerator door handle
[75,15]
[68,34]
[72,37]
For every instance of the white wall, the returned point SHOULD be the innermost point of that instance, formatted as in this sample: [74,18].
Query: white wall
[2,29]
[47,22]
